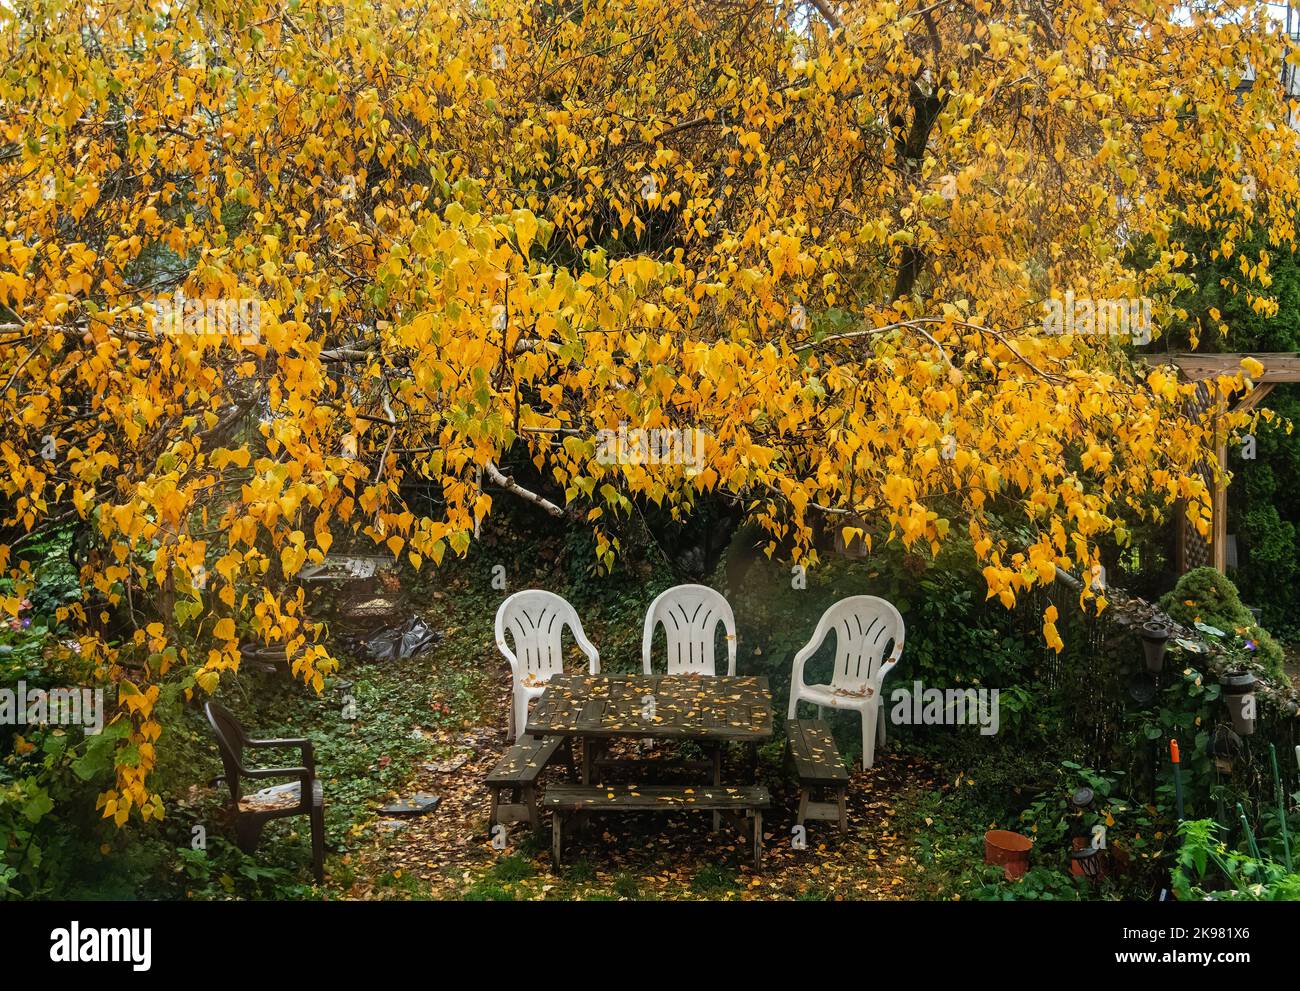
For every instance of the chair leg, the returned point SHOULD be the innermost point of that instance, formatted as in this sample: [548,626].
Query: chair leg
[556,838]
[793,711]
[869,736]
[802,815]
[880,726]
[821,713]
[758,839]
[492,812]
[844,812]
[318,844]
[248,831]
[510,723]
[521,716]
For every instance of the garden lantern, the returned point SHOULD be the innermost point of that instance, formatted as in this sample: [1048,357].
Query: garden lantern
[1223,747]
[1154,637]
[1142,688]
[1087,861]
[1081,800]
[1239,696]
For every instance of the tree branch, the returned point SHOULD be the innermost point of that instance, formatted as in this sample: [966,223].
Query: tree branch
[832,18]
[510,485]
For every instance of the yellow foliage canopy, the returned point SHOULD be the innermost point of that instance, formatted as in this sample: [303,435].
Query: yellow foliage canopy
[261,263]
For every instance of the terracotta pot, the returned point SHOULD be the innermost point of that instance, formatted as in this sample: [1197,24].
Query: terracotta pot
[1009,850]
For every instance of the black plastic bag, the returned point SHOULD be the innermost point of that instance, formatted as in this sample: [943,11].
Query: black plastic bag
[401,640]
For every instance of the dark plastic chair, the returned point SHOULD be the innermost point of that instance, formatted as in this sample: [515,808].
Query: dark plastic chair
[251,816]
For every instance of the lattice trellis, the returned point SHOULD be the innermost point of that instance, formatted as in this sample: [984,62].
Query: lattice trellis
[1197,551]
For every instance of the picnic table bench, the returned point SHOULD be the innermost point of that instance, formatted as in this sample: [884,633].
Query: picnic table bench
[567,800]
[818,765]
[518,770]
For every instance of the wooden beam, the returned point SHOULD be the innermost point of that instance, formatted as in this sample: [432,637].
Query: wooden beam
[1252,398]
[1279,366]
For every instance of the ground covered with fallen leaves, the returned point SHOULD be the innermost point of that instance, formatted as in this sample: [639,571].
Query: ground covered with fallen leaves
[449,853]
[434,725]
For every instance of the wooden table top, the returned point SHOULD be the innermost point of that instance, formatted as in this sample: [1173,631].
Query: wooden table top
[684,707]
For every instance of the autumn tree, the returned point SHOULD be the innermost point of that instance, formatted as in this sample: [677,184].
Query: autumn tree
[476,234]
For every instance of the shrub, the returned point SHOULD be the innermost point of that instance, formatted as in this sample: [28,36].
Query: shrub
[1207,597]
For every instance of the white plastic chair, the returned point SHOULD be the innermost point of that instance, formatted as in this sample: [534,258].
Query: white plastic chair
[536,620]
[690,615]
[864,626]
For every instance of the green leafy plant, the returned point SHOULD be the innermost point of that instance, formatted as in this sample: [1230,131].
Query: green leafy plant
[1117,822]
[1037,884]
[1207,868]
[713,880]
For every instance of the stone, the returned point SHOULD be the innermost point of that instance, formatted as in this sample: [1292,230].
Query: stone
[421,803]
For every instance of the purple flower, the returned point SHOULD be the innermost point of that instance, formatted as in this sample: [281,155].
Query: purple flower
[1251,645]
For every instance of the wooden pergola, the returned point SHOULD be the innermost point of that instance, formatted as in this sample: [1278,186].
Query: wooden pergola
[1280,366]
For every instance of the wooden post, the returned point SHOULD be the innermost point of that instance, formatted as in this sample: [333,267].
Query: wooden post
[1219,529]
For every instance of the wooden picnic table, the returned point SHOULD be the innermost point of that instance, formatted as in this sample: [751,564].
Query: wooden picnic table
[711,711]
